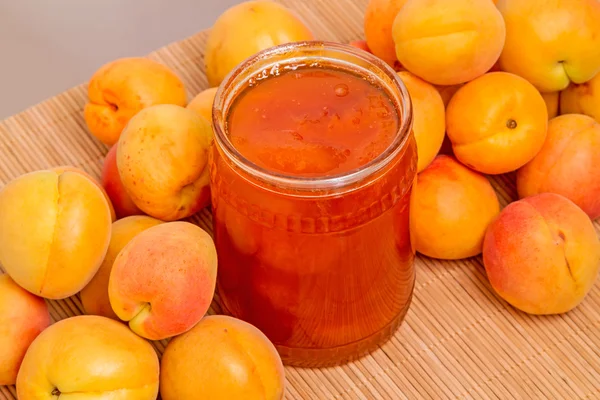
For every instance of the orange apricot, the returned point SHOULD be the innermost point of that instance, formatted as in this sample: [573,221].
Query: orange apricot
[94,296]
[448,42]
[496,123]
[222,358]
[23,316]
[451,209]
[582,99]
[163,281]
[114,189]
[379,17]
[542,254]
[89,357]
[202,103]
[429,119]
[121,88]
[162,161]
[568,163]
[551,43]
[244,30]
[55,228]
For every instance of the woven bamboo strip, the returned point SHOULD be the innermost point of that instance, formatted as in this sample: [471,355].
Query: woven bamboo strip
[459,340]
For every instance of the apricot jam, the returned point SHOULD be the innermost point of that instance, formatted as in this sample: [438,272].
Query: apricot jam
[311,174]
[312,122]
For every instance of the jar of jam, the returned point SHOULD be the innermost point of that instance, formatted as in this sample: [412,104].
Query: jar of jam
[311,175]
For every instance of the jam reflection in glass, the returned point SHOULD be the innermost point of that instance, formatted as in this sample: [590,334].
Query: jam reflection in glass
[311,174]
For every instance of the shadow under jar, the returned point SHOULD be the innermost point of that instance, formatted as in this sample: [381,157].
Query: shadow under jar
[311,175]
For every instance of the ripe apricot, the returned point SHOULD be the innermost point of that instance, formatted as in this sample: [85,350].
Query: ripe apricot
[163,280]
[202,103]
[114,189]
[94,296]
[379,17]
[121,88]
[542,254]
[496,123]
[89,357]
[568,164]
[582,99]
[245,29]
[55,227]
[222,358]
[451,209]
[429,117]
[448,42]
[162,161]
[551,43]
[23,316]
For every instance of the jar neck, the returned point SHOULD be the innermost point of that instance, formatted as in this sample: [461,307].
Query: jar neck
[312,54]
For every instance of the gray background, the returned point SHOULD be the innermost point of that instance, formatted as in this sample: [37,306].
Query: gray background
[48,46]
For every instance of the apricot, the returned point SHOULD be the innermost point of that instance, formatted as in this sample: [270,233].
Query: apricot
[163,281]
[450,210]
[245,29]
[552,100]
[162,158]
[582,99]
[222,358]
[542,254]
[429,117]
[551,43]
[448,42]
[94,296]
[54,231]
[23,317]
[89,357]
[203,103]
[496,123]
[113,187]
[379,18]
[64,168]
[568,164]
[121,88]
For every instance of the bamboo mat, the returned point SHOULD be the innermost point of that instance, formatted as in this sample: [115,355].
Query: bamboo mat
[459,340]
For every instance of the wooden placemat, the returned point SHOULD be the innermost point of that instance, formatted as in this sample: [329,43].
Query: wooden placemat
[459,339]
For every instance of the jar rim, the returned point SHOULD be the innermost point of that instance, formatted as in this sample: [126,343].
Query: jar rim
[303,183]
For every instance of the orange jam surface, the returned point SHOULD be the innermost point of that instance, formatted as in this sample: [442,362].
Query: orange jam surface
[326,278]
[313,123]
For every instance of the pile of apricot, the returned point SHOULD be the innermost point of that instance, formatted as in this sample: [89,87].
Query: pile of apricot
[518,94]
[505,88]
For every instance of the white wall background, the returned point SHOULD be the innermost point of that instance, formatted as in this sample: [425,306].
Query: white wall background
[48,46]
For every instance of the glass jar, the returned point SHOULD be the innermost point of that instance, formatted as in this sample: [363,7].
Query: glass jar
[322,265]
